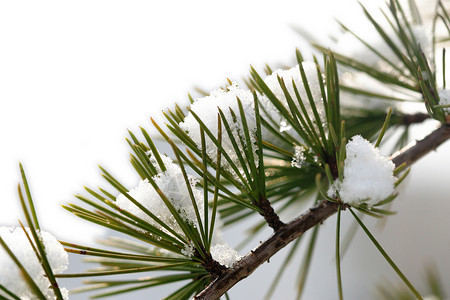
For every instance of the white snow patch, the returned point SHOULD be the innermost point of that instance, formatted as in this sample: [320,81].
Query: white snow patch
[368,175]
[289,76]
[10,274]
[206,109]
[299,157]
[423,37]
[444,98]
[431,297]
[225,255]
[188,250]
[173,186]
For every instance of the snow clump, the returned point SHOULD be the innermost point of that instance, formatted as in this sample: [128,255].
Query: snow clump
[206,109]
[188,250]
[11,276]
[289,76]
[225,255]
[368,176]
[299,157]
[172,184]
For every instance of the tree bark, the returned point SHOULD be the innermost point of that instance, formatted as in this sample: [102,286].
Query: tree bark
[422,147]
[314,216]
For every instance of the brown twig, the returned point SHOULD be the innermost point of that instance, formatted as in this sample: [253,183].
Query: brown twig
[272,219]
[314,216]
[422,147]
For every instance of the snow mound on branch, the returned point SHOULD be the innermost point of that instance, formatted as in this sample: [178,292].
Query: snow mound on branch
[11,276]
[173,186]
[225,255]
[206,109]
[368,176]
[289,76]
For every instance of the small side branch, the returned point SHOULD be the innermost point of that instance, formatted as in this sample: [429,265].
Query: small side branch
[414,118]
[313,217]
[272,219]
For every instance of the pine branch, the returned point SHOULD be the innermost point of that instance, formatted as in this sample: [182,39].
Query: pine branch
[314,216]
[272,219]
[422,147]
[266,250]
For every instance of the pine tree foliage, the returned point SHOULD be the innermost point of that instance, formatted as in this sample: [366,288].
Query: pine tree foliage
[302,137]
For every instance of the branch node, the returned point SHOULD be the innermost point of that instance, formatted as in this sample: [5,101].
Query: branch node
[213,267]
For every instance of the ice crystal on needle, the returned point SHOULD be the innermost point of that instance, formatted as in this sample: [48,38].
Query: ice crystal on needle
[173,186]
[188,250]
[368,176]
[206,109]
[299,157]
[11,276]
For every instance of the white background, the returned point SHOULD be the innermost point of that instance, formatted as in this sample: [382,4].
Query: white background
[74,76]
